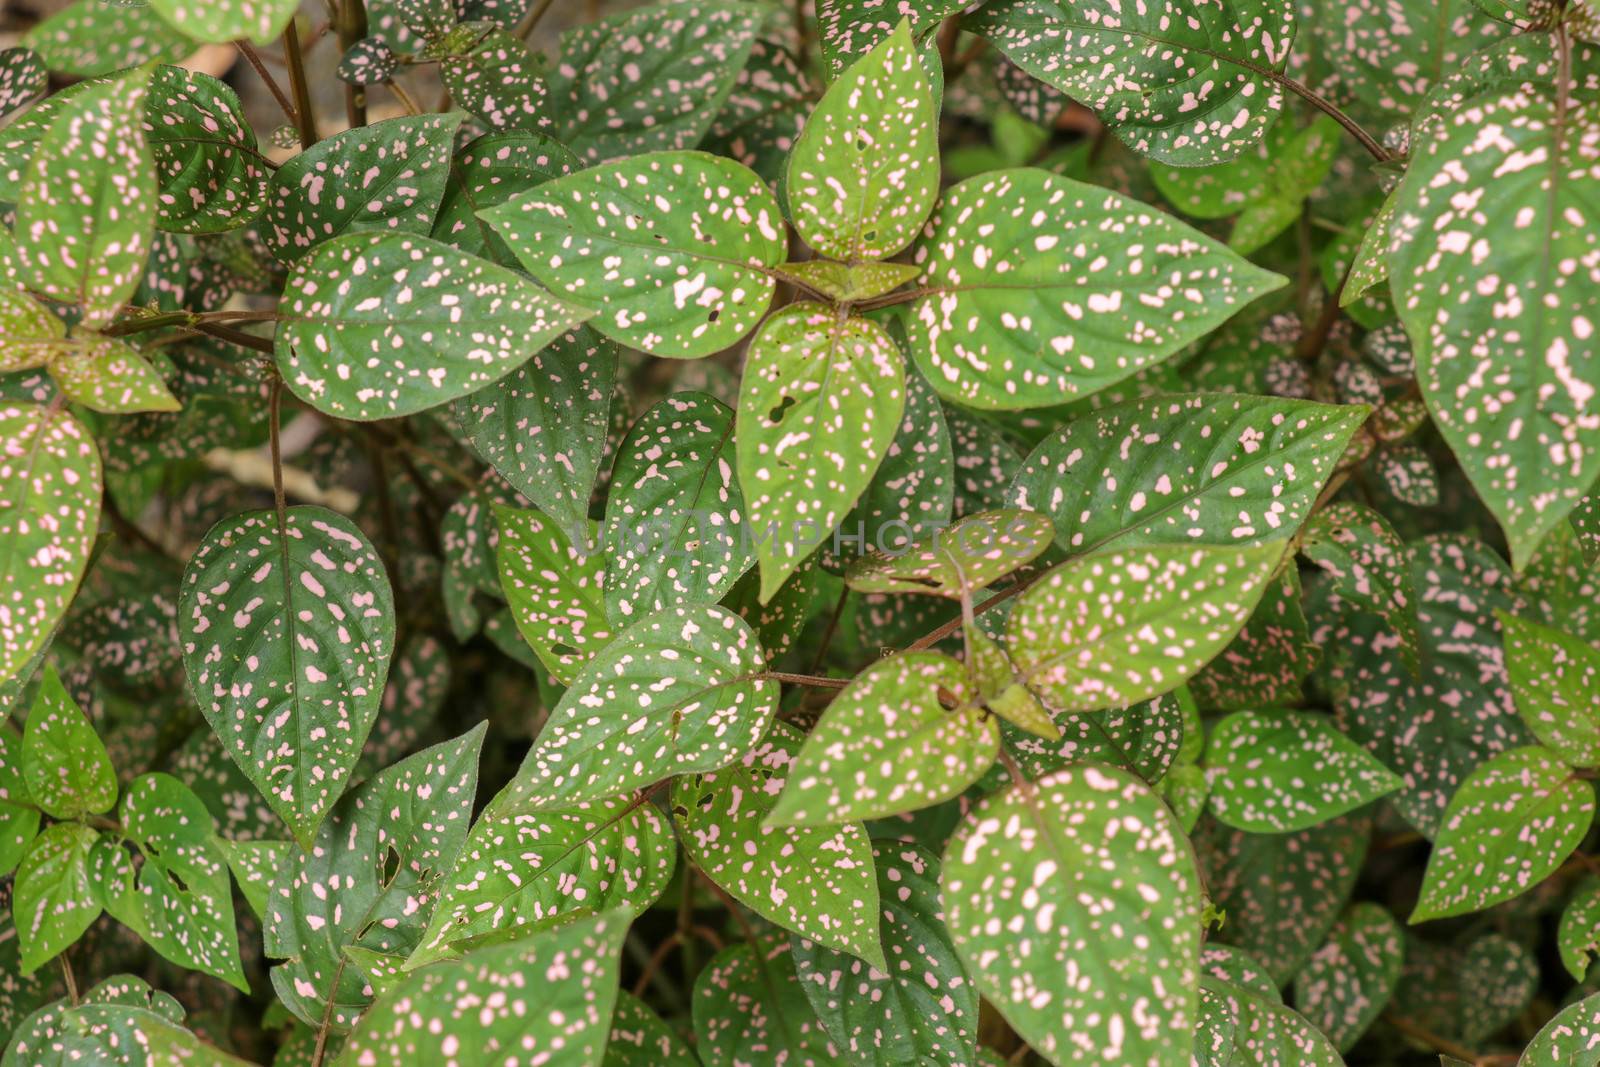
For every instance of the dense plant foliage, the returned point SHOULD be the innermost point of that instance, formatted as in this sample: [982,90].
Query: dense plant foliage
[953,532]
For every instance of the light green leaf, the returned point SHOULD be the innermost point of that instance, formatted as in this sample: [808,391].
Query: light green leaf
[540,999]
[1075,904]
[184,892]
[1512,823]
[105,374]
[554,583]
[813,881]
[697,234]
[1125,625]
[819,403]
[864,173]
[1568,1040]
[388,177]
[30,334]
[639,1038]
[224,21]
[1185,469]
[1554,678]
[651,79]
[962,558]
[675,693]
[55,901]
[924,1010]
[1484,236]
[90,38]
[87,205]
[543,426]
[64,763]
[675,528]
[50,484]
[1366,562]
[487,173]
[1578,935]
[1183,84]
[371,880]
[1348,981]
[1042,289]
[287,633]
[19,817]
[1272,772]
[1281,893]
[846,282]
[255,865]
[378,325]
[522,867]
[888,744]
[749,1008]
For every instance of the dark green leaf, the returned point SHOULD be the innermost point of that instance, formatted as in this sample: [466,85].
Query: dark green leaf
[1348,981]
[749,1008]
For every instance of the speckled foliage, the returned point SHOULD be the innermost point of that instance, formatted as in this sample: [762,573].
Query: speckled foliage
[849,533]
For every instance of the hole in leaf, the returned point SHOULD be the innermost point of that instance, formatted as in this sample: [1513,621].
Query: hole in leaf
[776,415]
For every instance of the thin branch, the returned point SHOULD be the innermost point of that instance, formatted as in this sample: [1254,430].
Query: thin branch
[932,638]
[1373,146]
[815,680]
[275,442]
[802,34]
[833,627]
[1427,1037]
[352,27]
[235,337]
[71,980]
[533,18]
[305,122]
[254,59]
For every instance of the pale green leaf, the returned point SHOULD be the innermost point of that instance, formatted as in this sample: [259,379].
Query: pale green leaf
[956,560]
[1494,270]
[819,403]
[30,334]
[255,865]
[184,891]
[847,282]
[1571,1039]
[697,234]
[64,763]
[1276,771]
[1512,823]
[540,999]
[1185,469]
[19,817]
[678,692]
[108,375]
[1578,935]
[888,743]
[522,867]
[91,37]
[813,881]
[54,901]
[1075,904]
[1554,678]
[87,205]
[287,633]
[1041,289]
[554,582]
[1111,629]
[864,173]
